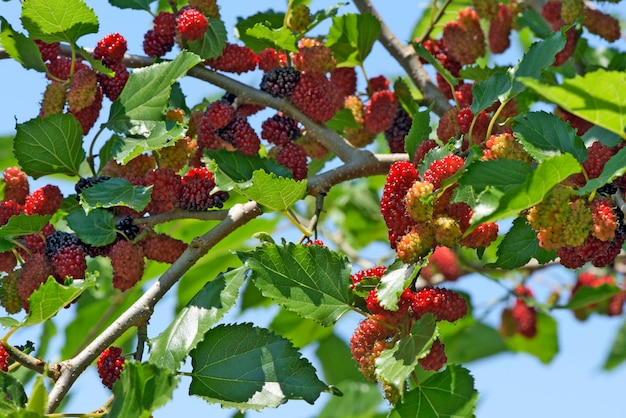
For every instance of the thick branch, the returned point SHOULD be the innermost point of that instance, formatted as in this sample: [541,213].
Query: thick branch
[409,60]
[142,309]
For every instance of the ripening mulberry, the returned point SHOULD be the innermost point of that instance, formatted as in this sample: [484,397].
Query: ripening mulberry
[241,135]
[601,24]
[234,59]
[481,236]
[440,170]
[16,186]
[436,357]
[4,358]
[419,201]
[34,272]
[162,247]
[280,129]
[191,23]
[443,262]
[219,113]
[605,220]
[111,49]
[128,264]
[369,339]
[166,190]
[499,33]
[444,304]
[343,80]
[380,111]
[523,315]
[43,201]
[448,128]
[401,176]
[313,57]
[88,116]
[312,95]
[269,59]
[112,86]
[82,89]
[110,365]
[294,157]
[69,261]
[197,191]
[49,51]
[505,146]
[54,98]
[416,244]
[464,38]
[9,295]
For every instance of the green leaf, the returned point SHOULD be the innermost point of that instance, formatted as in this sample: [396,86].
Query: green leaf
[38,401]
[337,362]
[395,364]
[21,48]
[540,55]
[212,43]
[143,101]
[230,168]
[22,224]
[449,393]
[132,4]
[59,20]
[487,92]
[359,400]
[549,173]
[419,132]
[280,39]
[96,64]
[468,340]
[273,192]
[300,331]
[53,145]
[587,295]
[269,18]
[312,281]
[51,297]
[501,174]
[519,245]
[617,355]
[604,104]
[395,280]
[343,119]
[352,36]
[115,192]
[141,389]
[13,394]
[162,134]
[170,348]
[544,134]
[544,345]
[95,228]
[247,367]
[613,169]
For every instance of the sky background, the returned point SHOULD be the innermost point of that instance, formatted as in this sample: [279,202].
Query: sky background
[510,385]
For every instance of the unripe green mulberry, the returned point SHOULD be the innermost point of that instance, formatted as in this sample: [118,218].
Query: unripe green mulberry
[447,231]
[9,296]
[419,201]
[572,10]
[416,244]
[53,99]
[298,18]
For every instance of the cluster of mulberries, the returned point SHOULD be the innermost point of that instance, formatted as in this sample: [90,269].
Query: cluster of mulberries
[420,216]
[383,328]
[77,88]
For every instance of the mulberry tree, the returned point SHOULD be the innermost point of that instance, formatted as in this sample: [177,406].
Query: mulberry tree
[307,186]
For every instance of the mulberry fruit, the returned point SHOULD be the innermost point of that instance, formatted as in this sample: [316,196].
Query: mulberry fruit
[162,247]
[191,23]
[313,97]
[444,304]
[16,186]
[380,111]
[111,49]
[110,365]
[43,201]
[234,59]
[128,264]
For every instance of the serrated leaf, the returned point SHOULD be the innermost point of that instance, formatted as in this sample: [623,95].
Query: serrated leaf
[544,134]
[311,281]
[23,225]
[395,364]
[9,322]
[449,393]
[212,43]
[132,4]
[519,245]
[321,15]
[270,18]
[540,55]
[170,348]
[231,168]
[59,20]
[141,389]
[617,355]
[613,168]
[423,53]
[352,36]
[395,280]
[21,48]
[51,297]
[115,192]
[273,192]
[549,173]
[96,64]
[144,99]
[53,145]
[501,174]
[162,134]
[419,132]
[487,92]
[587,295]
[247,367]
[603,105]
[13,394]
[95,228]
[406,96]
[278,38]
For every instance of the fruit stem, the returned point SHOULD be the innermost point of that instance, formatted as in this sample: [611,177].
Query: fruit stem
[291,216]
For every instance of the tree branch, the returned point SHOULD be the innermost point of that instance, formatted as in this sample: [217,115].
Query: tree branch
[141,310]
[409,60]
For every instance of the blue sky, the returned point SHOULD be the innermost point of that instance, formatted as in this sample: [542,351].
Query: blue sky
[510,385]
